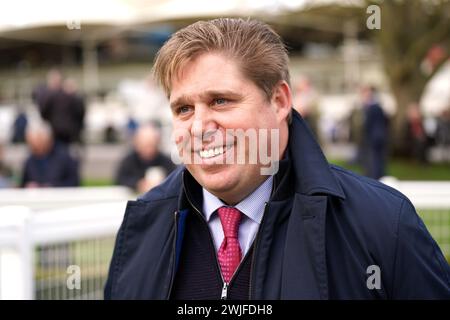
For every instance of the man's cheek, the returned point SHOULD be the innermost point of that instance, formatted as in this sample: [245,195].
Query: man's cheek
[183,142]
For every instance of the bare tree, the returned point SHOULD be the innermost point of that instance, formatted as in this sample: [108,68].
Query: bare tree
[414,41]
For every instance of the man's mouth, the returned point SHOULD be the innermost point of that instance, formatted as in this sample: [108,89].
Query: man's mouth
[213,151]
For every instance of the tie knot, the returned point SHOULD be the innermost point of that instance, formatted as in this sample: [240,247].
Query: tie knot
[230,218]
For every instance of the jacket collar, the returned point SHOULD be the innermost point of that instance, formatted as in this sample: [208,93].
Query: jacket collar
[312,171]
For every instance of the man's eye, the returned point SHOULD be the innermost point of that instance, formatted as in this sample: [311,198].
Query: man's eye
[220,101]
[183,109]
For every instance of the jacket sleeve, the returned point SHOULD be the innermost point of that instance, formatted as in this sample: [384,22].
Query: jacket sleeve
[420,269]
[113,270]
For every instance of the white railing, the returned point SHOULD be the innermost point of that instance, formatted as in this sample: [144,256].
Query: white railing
[35,235]
[37,246]
[51,198]
[423,194]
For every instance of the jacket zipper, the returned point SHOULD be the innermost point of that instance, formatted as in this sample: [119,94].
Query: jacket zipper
[225,285]
[174,255]
[258,236]
[224,291]
[224,295]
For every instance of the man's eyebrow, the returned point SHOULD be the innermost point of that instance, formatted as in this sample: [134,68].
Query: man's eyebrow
[184,99]
[221,93]
[178,101]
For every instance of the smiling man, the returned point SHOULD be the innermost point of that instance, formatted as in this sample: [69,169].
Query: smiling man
[222,226]
[211,107]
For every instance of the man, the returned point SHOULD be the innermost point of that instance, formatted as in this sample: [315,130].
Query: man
[144,167]
[222,229]
[63,109]
[70,87]
[6,173]
[49,164]
[375,134]
[306,102]
[415,139]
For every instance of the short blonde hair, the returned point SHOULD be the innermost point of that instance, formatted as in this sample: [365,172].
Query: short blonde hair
[259,51]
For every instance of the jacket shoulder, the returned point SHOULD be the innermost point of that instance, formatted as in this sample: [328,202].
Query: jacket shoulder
[350,180]
[383,226]
[371,205]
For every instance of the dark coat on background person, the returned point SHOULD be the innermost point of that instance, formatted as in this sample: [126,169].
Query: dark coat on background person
[415,140]
[65,114]
[376,124]
[132,168]
[19,128]
[57,169]
[375,140]
[323,231]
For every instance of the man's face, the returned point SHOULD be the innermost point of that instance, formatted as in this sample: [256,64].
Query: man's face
[40,143]
[146,143]
[209,99]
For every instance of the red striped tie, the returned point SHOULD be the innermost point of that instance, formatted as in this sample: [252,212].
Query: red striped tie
[229,252]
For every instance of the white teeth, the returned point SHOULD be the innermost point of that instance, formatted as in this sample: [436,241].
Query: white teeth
[211,152]
[218,151]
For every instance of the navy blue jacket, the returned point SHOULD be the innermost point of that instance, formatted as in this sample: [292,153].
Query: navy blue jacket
[376,124]
[324,233]
[57,169]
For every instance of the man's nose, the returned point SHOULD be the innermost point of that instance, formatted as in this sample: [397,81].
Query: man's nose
[204,122]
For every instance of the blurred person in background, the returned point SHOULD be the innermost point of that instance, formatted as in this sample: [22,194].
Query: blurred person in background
[443,134]
[19,126]
[6,173]
[132,126]
[415,137]
[42,91]
[356,133]
[70,87]
[306,100]
[63,109]
[375,134]
[49,164]
[111,135]
[145,166]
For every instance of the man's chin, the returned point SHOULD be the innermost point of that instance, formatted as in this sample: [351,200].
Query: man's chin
[204,171]
[217,183]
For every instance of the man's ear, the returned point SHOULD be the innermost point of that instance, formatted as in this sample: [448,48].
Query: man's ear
[282,100]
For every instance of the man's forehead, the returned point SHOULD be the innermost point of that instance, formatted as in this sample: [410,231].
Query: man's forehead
[207,72]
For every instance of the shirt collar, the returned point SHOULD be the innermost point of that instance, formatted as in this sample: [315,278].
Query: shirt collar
[252,206]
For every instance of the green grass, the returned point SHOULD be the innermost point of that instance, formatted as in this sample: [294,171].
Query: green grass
[438,224]
[96,182]
[407,170]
